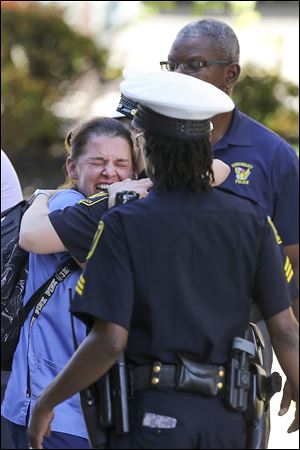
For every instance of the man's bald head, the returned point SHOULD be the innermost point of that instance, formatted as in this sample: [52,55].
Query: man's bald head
[222,38]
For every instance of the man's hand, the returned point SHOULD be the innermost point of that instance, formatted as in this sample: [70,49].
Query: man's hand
[285,404]
[39,424]
[287,397]
[295,424]
[139,186]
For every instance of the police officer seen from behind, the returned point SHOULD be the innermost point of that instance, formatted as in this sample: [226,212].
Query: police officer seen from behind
[151,285]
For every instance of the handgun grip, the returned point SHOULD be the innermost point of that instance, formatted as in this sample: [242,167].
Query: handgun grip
[273,384]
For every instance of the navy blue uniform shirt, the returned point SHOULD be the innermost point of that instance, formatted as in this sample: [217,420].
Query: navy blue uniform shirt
[265,168]
[178,270]
[76,226]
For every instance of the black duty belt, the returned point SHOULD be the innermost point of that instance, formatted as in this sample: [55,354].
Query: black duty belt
[186,376]
[163,376]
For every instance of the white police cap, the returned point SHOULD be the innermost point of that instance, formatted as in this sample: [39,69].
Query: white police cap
[174,104]
[176,95]
[114,114]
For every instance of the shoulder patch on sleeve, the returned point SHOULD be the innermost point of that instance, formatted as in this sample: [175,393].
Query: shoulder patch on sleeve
[288,269]
[278,238]
[80,285]
[93,199]
[96,239]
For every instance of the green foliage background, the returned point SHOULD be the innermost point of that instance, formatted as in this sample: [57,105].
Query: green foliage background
[42,57]
[269,99]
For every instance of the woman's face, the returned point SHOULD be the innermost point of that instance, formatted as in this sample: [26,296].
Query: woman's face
[105,160]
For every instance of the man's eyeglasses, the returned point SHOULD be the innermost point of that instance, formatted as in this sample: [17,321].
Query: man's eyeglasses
[190,66]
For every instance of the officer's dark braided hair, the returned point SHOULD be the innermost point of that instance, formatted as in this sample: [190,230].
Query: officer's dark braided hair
[177,164]
[77,139]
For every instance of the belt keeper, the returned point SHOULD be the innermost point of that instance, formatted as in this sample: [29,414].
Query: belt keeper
[156,373]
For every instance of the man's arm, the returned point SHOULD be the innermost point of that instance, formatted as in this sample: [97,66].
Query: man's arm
[284,333]
[286,203]
[83,369]
[292,252]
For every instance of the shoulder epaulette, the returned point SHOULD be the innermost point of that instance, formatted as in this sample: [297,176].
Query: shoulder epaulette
[93,199]
[276,234]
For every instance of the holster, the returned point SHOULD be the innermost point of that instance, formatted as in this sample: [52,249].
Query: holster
[104,405]
[257,415]
[196,377]
[120,396]
[104,385]
[258,432]
[89,401]
[262,388]
[257,395]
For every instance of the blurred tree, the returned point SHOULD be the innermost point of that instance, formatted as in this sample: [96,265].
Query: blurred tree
[42,57]
[269,99]
[236,8]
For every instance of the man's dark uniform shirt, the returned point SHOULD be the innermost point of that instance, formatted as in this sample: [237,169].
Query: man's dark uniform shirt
[264,168]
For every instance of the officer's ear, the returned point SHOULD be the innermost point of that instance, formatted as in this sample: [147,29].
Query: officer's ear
[71,168]
[232,73]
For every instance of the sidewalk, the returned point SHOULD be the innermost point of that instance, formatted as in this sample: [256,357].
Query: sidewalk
[279,438]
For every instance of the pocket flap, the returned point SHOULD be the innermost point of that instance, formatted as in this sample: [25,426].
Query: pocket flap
[196,368]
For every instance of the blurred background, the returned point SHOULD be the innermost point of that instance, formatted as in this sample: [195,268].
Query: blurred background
[62,63]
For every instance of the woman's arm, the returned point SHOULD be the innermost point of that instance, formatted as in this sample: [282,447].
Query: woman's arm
[37,235]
